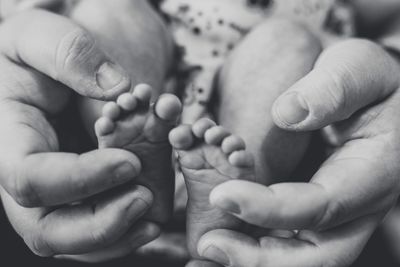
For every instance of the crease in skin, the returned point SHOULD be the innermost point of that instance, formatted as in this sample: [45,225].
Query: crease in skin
[205,165]
[27,118]
[135,126]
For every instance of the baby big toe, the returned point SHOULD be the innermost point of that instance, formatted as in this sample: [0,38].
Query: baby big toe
[162,118]
[168,108]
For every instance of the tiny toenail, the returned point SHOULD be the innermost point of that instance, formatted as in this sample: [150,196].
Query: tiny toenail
[216,254]
[109,75]
[292,109]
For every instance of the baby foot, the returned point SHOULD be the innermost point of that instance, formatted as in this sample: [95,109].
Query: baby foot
[208,156]
[132,124]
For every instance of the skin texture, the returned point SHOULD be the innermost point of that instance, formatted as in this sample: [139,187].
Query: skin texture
[144,50]
[130,123]
[357,81]
[353,96]
[274,62]
[37,81]
[145,40]
[209,155]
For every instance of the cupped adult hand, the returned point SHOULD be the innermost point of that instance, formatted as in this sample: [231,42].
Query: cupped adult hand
[43,58]
[352,94]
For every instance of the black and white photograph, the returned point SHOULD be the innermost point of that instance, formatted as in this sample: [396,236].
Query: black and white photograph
[200,133]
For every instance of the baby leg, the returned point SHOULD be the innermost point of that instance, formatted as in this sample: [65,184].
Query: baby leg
[268,61]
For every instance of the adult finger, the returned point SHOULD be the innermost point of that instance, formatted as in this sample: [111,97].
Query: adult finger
[139,235]
[351,184]
[61,49]
[82,228]
[49,179]
[339,247]
[348,76]
[34,174]
[29,170]
[223,246]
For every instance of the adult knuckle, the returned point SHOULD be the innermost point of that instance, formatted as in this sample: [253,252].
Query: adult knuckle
[74,47]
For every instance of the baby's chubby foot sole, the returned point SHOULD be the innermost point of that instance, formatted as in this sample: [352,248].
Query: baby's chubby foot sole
[133,124]
[208,156]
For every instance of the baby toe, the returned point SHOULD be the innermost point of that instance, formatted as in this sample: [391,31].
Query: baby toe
[127,102]
[215,135]
[168,107]
[143,93]
[181,138]
[232,143]
[241,159]
[104,126]
[201,127]
[111,110]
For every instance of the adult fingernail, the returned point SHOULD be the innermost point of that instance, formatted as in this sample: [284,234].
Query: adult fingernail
[292,109]
[110,75]
[124,172]
[216,254]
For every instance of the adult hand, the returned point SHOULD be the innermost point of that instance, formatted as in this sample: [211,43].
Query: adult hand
[352,95]
[42,57]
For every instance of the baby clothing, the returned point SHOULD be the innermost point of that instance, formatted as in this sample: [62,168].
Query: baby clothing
[207,30]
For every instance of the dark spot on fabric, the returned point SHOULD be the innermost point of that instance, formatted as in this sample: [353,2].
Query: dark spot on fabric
[230,46]
[221,22]
[197,30]
[200,90]
[184,8]
[215,53]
